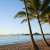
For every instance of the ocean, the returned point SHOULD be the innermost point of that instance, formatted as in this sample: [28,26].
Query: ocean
[13,39]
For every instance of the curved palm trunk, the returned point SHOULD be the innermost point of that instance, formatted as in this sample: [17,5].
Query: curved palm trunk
[34,46]
[42,33]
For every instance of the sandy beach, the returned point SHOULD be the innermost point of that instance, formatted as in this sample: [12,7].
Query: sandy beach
[25,46]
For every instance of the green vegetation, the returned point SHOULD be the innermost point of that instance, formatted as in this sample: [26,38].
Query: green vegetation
[40,11]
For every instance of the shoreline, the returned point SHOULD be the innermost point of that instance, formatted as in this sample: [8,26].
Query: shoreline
[21,42]
[25,46]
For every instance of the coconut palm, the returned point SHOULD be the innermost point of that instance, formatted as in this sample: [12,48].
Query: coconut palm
[38,10]
[34,46]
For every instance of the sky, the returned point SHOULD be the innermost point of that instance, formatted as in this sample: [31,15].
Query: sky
[9,25]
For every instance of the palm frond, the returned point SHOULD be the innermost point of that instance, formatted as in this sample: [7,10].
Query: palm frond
[20,14]
[44,5]
[22,0]
[31,10]
[46,11]
[31,3]
[33,7]
[37,4]
[25,20]
[44,20]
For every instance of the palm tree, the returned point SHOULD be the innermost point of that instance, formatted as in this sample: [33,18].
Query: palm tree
[43,9]
[37,10]
[34,46]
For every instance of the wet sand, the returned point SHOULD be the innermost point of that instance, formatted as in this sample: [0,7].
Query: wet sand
[25,46]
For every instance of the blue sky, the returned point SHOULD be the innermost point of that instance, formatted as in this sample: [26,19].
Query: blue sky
[9,25]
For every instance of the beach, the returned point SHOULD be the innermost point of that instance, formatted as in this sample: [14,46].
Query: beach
[25,46]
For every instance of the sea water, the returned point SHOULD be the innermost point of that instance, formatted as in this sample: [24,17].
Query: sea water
[12,39]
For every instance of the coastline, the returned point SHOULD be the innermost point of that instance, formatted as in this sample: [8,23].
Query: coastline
[25,46]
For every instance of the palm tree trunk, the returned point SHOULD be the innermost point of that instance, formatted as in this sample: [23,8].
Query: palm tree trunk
[34,46]
[42,33]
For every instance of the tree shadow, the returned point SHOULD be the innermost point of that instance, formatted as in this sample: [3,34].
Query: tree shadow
[36,47]
[47,44]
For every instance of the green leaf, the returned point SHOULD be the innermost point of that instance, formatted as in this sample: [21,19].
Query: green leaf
[25,20]
[20,14]
[46,11]
[44,5]
[37,4]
